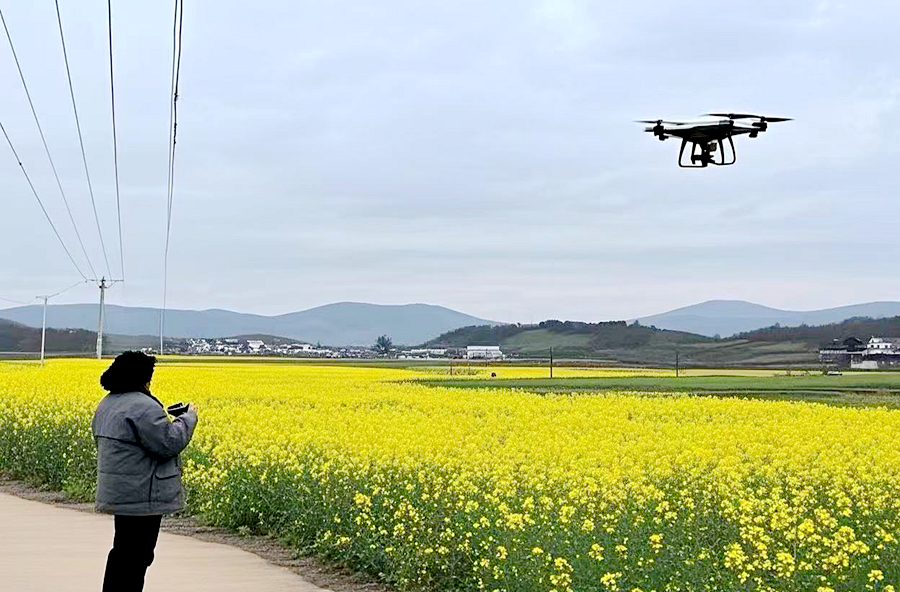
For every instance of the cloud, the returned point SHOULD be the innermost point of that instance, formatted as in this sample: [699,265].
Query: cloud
[477,155]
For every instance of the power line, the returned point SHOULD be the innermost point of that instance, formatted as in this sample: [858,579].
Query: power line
[63,291]
[13,301]
[177,24]
[80,139]
[41,203]
[112,94]
[173,114]
[87,173]
[50,158]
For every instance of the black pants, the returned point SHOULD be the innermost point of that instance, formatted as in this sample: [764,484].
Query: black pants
[132,553]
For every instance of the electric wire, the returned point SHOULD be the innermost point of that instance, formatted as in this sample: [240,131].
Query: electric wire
[78,283]
[50,158]
[112,96]
[173,128]
[14,301]
[87,174]
[80,139]
[41,203]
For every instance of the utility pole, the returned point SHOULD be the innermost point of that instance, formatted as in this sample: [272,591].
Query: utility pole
[676,363]
[104,285]
[551,362]
[44,328]
[103,288]
[44,321]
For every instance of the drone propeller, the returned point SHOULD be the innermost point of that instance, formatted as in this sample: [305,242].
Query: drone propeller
[658,129]
[655,121]
[749,116]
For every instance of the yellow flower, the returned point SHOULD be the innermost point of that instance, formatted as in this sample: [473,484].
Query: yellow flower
[362,463]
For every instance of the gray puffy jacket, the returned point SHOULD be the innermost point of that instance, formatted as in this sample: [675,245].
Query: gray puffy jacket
[138,469]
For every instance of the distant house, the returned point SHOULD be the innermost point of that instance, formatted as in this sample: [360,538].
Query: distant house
[839,353]
[876,354]
[199,346]
[427,352]
[880,345]
[484,352]
[256,346]
[304,346]
[881,352]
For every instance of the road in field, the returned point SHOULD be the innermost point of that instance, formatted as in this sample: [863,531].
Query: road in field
[46,548]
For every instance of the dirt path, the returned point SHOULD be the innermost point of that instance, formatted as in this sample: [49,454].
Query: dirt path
[48,548]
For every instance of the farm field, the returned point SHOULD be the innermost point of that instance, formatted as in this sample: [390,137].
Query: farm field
[392,471]
[852,389]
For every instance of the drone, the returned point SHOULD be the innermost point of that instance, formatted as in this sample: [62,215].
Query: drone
[708,136]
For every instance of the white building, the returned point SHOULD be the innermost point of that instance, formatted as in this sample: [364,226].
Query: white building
[483,352]
[880,345]
[427,352]
[880,352]
[199,346]
[294,348]
[256,345]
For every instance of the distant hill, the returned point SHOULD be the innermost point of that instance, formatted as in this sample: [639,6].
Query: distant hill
[614,340]
[617,342]
[729,317]
[345,323]
[862,328]
[15,337]
[774,346]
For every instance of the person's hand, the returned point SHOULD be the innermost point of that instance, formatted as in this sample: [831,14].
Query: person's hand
[193,407]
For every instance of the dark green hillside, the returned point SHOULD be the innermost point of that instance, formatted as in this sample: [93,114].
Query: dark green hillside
[622,343]
[19,338]
[619,342]
[568,338]
[615,340]
[861,327]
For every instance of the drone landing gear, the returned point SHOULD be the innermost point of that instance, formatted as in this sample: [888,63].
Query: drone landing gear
[705,153]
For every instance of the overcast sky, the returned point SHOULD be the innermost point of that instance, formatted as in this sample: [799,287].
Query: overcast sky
[477,155]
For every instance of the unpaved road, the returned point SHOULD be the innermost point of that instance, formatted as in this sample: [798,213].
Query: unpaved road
[48,548]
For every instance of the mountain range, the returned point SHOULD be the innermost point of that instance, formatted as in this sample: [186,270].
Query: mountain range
[353,323]
[343,323]
[728,317]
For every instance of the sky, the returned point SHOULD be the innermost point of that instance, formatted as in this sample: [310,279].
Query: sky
[477,155]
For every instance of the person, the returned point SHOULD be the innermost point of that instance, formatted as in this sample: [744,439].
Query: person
[138,467]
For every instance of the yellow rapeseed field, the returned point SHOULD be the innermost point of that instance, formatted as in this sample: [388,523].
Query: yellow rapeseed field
[489,489]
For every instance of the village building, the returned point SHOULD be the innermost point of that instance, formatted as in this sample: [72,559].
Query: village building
[256,346]
[426,353]
[484,352]
[838,353]
[876,354]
